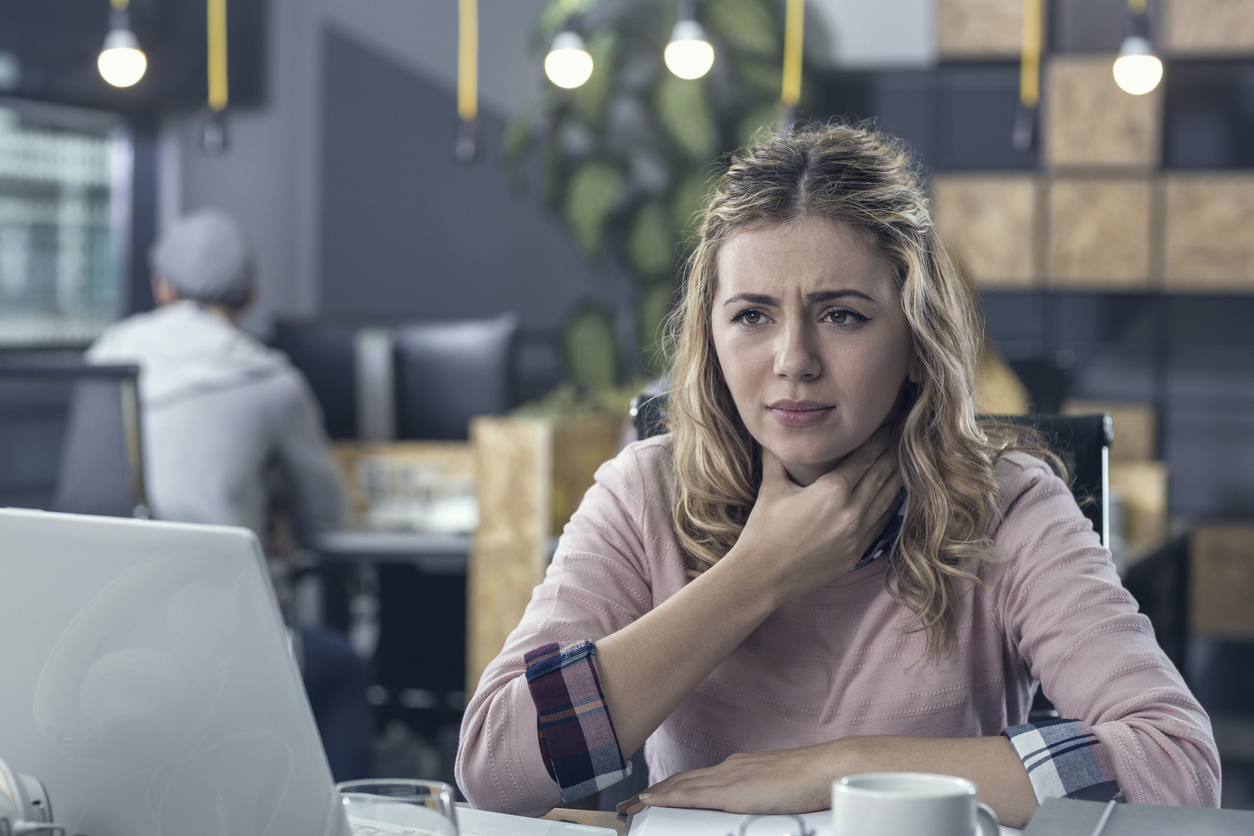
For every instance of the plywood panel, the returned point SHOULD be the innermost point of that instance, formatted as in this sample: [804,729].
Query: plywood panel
[1208,27]
[1135,425]
[1142,488]
[369,469]
[1222,582]
[980,28]
[1089,121]
[1099,234]
[1210,232]
[513,463]
[988,223]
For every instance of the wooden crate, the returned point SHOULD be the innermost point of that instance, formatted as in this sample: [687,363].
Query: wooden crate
[988,224]
[530,474]
[1210,232]
[1099,234]
[1222,580]
[980,28]
[1089,121]
[1219,28]
[1135,425]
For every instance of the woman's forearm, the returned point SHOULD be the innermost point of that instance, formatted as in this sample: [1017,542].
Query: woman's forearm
[800,780]
[649,667]
[991,763]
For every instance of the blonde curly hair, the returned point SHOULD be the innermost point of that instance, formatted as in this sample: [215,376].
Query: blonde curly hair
[859,177]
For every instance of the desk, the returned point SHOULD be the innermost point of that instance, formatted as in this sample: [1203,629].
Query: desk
[442,554]
[591,818]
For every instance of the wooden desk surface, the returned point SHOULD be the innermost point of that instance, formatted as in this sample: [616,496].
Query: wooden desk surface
[592,818]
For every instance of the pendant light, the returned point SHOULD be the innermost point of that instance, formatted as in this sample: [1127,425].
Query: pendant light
[568,64]
[790,93]
[1023,135]
[213,139]
[121,62]
[466,148]
[689,54]
[1137,69]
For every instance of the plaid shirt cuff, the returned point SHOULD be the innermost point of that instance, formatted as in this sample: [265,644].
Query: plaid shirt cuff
[577,738]
[1064,759]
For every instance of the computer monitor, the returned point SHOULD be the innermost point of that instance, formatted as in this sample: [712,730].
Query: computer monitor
[449,372]
[148,681]
[325,353]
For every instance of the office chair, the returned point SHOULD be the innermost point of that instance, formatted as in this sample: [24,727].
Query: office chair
[449,372]
[325,353]
[83,424]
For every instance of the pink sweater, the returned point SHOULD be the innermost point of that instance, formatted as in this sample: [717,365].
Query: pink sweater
[834,663]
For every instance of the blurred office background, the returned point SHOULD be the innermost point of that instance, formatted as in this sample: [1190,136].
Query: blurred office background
[1112,244]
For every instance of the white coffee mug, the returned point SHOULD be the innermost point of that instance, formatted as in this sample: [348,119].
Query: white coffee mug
[908,804]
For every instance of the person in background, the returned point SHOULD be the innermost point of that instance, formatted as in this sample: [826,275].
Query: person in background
[829,565]
[228,426]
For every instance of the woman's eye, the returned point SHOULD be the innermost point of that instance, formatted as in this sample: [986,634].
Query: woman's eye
[844,317]
[749,317]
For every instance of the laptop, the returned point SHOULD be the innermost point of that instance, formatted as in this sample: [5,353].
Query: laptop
[147,680]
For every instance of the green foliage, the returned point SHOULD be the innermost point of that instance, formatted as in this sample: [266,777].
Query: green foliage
[592,195]
[628,159]
[590,348]
[655,306]
[651,242]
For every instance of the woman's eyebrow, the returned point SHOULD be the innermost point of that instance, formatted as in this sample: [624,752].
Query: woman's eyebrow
[811,299]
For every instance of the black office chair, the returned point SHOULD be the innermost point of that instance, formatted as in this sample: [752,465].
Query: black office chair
[74,431]
[324,351]
[449,372]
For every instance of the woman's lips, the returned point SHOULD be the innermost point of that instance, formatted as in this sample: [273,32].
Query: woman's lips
[798,413]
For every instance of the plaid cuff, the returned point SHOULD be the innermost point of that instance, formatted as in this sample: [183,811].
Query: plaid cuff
[577,736]
[1065,759]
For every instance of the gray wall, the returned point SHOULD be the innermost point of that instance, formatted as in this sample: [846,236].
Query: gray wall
[405,230]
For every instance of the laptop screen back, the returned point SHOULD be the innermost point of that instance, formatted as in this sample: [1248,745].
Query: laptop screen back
[148,683]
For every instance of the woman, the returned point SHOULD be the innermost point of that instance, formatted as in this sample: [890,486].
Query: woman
[749,593]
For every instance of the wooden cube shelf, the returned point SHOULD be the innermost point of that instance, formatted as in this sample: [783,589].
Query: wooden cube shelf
[1208,27]
[988,223]
[530,474]
[1222,582]
[980,28]
[1099,234]
[1089,121]
[1210,232]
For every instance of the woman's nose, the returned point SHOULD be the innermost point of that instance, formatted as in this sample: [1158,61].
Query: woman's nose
[795,355]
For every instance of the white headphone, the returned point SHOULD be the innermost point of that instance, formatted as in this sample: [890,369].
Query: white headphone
[24,805]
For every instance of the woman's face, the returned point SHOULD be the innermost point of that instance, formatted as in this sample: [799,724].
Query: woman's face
[810,335]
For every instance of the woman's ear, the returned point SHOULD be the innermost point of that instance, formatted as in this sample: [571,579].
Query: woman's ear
[914,371]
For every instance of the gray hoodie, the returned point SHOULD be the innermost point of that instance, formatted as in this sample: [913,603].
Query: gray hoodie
[220,410]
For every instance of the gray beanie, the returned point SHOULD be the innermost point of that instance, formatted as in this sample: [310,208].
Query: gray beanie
[206,257]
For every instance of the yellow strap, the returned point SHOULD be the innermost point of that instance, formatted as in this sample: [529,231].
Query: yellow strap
[1137,7]
[468,59]
[794,33]
[1030,58]
[216,10]
[120,5]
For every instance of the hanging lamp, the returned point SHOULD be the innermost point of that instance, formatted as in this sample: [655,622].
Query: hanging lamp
[1023,135]
[213,138]
[568,64]
[121,62]
[790,93]
[689,54]
[467,147]
[1137,69]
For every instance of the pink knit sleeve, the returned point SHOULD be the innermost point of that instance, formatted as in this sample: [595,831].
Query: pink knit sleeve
[1069,619]
[598,583]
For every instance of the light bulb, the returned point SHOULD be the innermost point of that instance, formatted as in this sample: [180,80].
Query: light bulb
[689,55]
[568,64]
[1137,69]
[121,61]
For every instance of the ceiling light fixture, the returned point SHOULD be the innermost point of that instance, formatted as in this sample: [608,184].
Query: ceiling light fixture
[121,63]
[1137,69]
[689,54]
[568,63]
